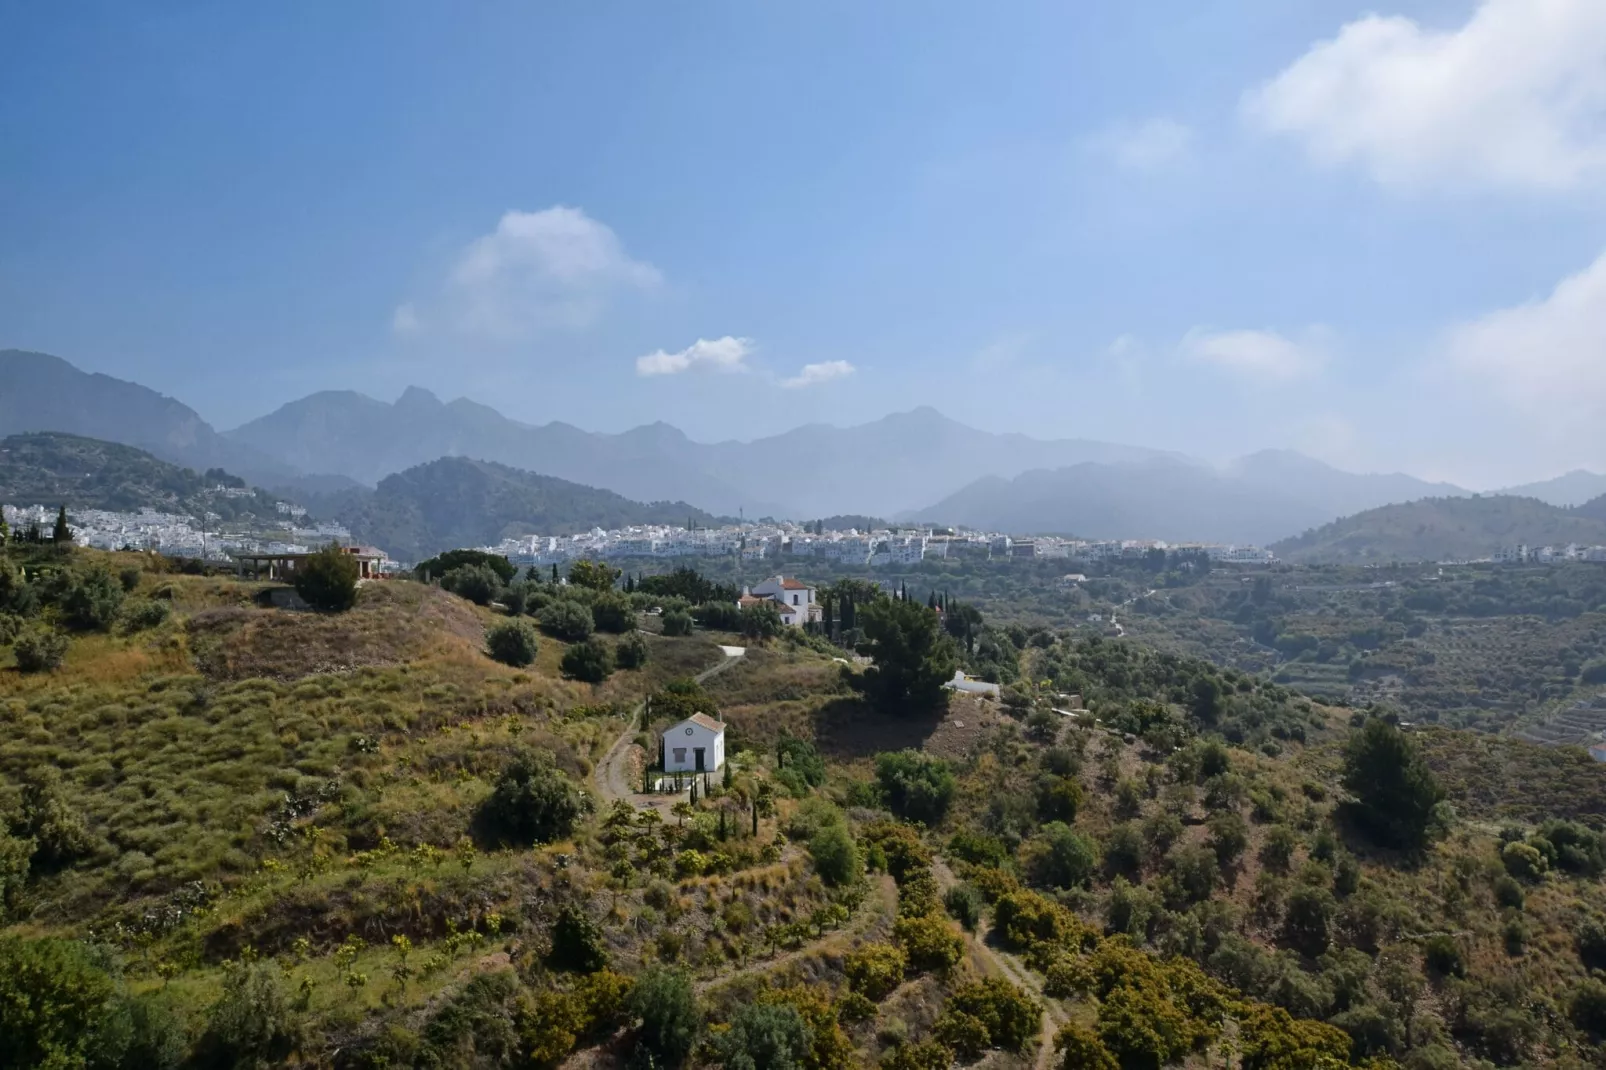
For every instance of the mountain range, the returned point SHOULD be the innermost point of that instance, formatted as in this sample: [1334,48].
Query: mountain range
[1447,529]
[913,465]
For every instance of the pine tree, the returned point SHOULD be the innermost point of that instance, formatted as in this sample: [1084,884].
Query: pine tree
[554,573]
[62,533]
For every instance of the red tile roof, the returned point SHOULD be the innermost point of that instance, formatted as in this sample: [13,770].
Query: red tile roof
[794,585]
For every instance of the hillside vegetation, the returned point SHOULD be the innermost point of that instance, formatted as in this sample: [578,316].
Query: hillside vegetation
[52,468]
[456,502]
[1443,529]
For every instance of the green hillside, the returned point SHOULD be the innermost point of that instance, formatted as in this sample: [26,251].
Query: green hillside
[51,468]
[1442,529]
[455,502]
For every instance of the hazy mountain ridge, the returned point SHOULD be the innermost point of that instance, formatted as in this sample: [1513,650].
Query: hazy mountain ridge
[1443,529]
[1574,488]
[455,501]
[39,392]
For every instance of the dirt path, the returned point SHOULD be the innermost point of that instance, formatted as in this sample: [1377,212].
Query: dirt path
[884,903]
[1014,971]
[615,775]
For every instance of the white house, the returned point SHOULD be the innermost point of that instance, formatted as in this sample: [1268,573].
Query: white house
[971,685]
[794,598]
[695,745]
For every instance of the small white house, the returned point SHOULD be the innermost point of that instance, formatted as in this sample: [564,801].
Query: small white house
[971,686]
[794,598]
[695,745]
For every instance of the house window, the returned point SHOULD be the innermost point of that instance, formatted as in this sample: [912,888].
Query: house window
[794,599]
[680,754]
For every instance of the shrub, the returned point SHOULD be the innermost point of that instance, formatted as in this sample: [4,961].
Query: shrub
[1587,1008]
[632,651]
[50,821]
[594,575]
[1577,849]
[977,848]
[142,614]
[251,1023]
[1023,918]
[589,661]
[1194,870]
[718,616]
[327,579]
[51,999]
[1508,893]
[1307,925]
[926,1055]
[1009,1015]
[677,622]
[963,904]
[1064,858]
[511,642]
[1591,942]
[441,564]
[613,612]
[1277,853]
[874,970]
[41,650]
[916,786]
[15,854]
[533,802]
[928,943]
[765,1036]
[964,1033]
[138,1032]
[577,942]
[1081,1049]
[1123,850]
[1442,955]
[1523,861]
[129,578]
[549,1023]
[567,620]
[477,583]
[836,856]
[91,599]
[1229,836]
[663,1001]
[1059,798]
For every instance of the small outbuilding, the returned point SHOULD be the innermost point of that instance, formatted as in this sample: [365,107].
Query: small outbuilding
[695,745]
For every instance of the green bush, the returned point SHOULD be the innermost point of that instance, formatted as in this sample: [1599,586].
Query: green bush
[577,942]
[765,1036]
[677,622]
[663,1002]
[613,612]
[1063,858]
[327,579]
[52,995]
[963,904]
[1396,791]
[567,620]
[1009,1014]
[251,1024]
[1442,956]
[50,821]
[836,856]
[533,802]
[1587,1008]
[439,565]
[632,651]
[874,970]
[1523,861]
[477,583]
[142,614]
[91,599]
[1308,920]
[40,650]
[915,786]
[512,643]
[589,661]
[930,945]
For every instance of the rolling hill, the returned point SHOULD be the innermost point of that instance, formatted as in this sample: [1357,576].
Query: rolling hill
[454,502]
[85,473]
[1574,488]
[1442,529]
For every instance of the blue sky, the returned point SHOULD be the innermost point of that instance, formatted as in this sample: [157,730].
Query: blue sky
[1206,226]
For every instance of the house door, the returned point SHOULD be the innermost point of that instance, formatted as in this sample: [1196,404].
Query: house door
[698,755]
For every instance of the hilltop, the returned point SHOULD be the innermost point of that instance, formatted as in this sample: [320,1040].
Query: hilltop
[86,473]
[1442,529]
[456,502]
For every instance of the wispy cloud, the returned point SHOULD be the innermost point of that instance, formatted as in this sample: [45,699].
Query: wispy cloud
[814,374]
[726,354]
[1254,354]
[553,269]
[1516,97]
[1146,146]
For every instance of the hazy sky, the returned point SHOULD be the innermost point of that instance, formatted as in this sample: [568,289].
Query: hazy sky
[1207,226]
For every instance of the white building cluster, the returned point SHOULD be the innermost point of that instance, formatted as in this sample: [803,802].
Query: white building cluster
[885,548]
[175,534]
[1521,554]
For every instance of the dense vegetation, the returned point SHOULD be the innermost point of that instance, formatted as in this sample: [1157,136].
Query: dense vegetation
[394,836]
[49,468]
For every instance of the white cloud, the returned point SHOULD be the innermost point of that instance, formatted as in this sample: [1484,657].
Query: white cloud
[721,354]
[538,270]
[1516,97]
[1148,145]
[1546,359]
[405,319]
[1261,355]
[814,374]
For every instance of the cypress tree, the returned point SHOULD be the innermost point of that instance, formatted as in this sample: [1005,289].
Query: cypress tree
[62,533]
[5,529]
[554,573]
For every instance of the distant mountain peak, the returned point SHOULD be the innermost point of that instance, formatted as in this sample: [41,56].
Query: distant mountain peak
[416,397]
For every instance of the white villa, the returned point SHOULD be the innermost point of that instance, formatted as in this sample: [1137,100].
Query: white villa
[695,745]
[971,685]
[793,598]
